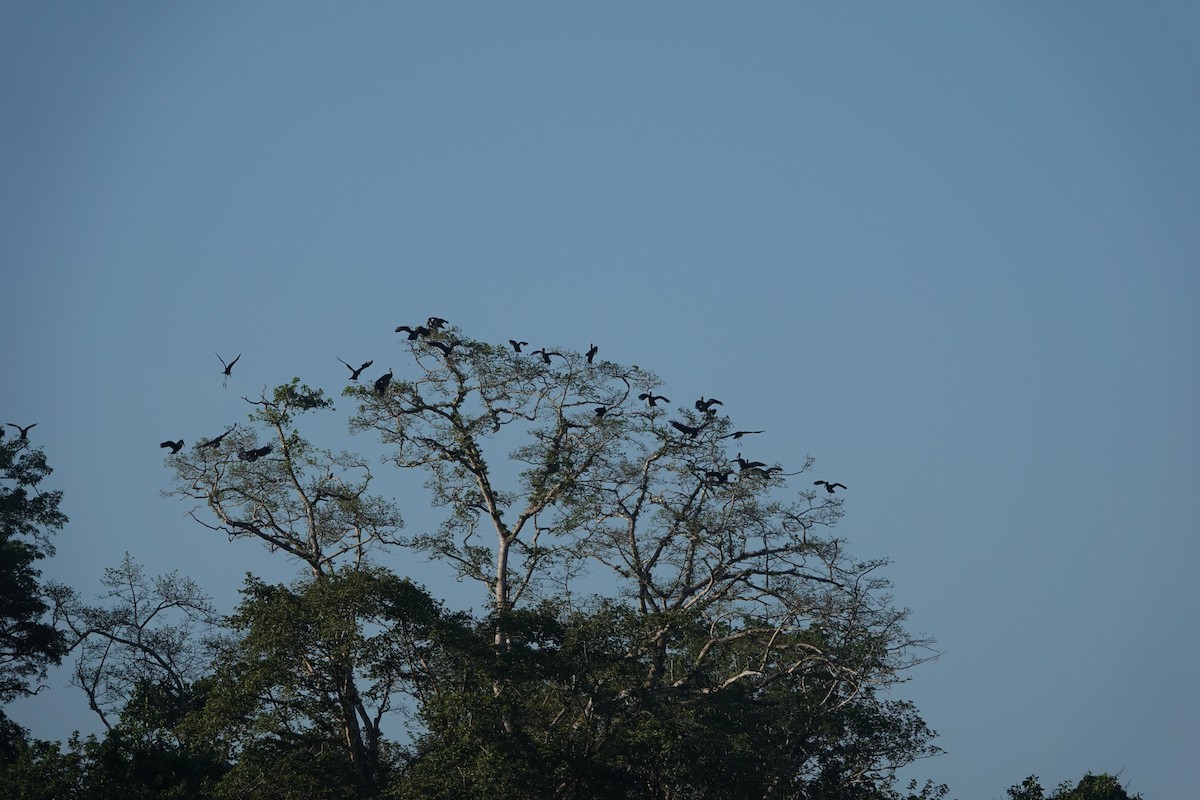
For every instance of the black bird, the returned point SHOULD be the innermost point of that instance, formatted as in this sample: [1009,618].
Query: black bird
[715,476]
[546,355]
[254,453]
[443,346]
[652,399]
[739,434]
[690,431]
[591,353]
[214,442]
[516,346]
[381,383]
[743,464]
[435,323]
[829,487]
[175,446]
[354,373]
[24,431]
[601,411]
[228,367]
[705,406]
[413,333]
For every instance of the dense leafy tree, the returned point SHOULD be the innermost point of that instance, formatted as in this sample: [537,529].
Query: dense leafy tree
[1090,787]
[28,518]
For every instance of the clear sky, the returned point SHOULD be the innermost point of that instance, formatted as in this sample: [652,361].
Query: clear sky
[950,250]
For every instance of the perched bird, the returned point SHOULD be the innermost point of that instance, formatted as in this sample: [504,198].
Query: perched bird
[443,346]
[652,399]
[228,367]
[706,406]
[743,464]
[739,434]
[516,346]
[175,446]
[413,333]
[713,477]
[690,431]
[24,431]
[829,487]
[546,355]
[381,383]
[214,442]
[254,453]
[354,373]
[435,323]
[591,353]
[600,411]
[764,472]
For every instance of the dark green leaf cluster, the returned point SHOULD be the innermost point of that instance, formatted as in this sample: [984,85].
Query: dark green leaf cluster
[28,517]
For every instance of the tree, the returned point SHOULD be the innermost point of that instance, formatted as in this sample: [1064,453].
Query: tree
[28,517]
[729,621]
[1090,787]
[733,593]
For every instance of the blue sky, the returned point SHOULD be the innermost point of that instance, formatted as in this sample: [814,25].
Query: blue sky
[949,250]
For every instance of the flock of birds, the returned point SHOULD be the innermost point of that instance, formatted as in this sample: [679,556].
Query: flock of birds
[429,332]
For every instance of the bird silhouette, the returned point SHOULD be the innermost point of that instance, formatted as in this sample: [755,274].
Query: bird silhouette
[24,431]
[213,443]
[354,373]
[175,446]
[600,411]
[739,434]
[743,464]
[228,367]
[713,477]
[690,431]
[546,355]
[516,346]
[591,353]
[652,399]
[761,472]
[443,346]
[254,453]
[381,383]
[413,333]
[829,487]
[435,323]
[705,406]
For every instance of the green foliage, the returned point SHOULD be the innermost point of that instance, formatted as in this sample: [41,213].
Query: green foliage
[737,651]
[28,517]
[1090,787]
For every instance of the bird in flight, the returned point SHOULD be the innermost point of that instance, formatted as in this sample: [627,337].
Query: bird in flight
[381,383]
[354,373]
[413,333]
[254,453]
[652,399]
[591,353]
[228,367]
[175,446]
[546,355]
[214,442]
[830,487]
[739,434]
[706,406]
[516,346]
[24,430]
[435,323]
[687,430]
